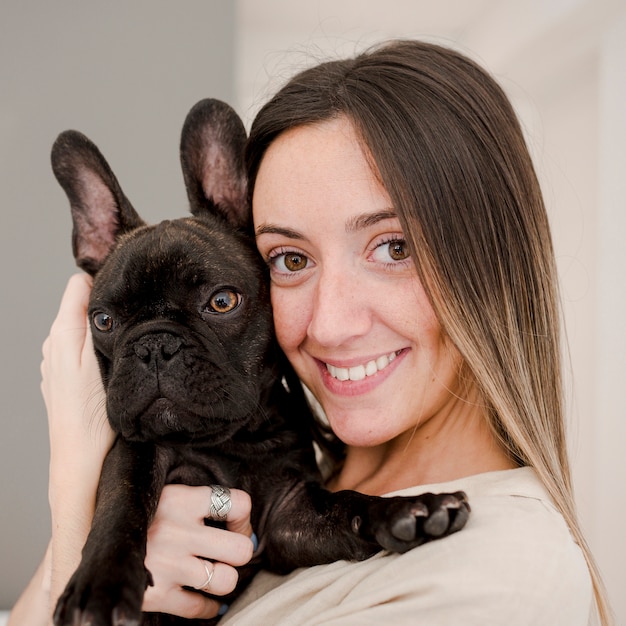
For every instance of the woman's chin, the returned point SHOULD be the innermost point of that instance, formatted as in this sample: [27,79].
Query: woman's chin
[359,431]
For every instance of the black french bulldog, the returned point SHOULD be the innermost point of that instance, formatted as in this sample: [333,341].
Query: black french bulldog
[197,390]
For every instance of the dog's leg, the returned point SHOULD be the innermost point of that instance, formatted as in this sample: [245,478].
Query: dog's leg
[109,584]
[309,525]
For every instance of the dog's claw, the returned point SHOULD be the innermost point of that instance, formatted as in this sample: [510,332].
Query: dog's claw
[404,528]
[404,524]
[437,524]
[419,509]
[461,516]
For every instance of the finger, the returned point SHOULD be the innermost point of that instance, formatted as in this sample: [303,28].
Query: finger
[176,584]
[216,578]
[73,307]
[65,344]
[182,501]
[171,544]
[229,547]
[188,604]
[237,517]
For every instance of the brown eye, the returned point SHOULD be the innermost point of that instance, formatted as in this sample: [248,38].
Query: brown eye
[223,301]
[294,262]
[398,250]
[391,252]
[102,321]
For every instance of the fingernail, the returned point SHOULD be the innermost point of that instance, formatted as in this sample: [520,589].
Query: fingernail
[223,609]
[255,541]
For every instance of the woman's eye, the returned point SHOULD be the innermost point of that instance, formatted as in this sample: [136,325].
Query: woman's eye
[398,250]
[395,250]
[102,321]
[289,262]
[223,301]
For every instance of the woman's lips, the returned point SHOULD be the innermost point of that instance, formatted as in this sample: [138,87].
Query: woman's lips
[360,378]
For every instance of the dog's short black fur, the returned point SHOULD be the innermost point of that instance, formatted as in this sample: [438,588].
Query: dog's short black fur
[195,384]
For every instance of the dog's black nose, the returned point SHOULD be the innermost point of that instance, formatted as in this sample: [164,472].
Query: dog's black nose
[159,346]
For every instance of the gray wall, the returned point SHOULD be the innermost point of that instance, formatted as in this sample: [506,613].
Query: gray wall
[125,74]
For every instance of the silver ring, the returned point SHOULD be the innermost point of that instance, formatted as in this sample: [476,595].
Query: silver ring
[209,576]
[220,502]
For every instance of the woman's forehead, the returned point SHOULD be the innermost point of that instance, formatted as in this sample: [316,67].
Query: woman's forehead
[320,166]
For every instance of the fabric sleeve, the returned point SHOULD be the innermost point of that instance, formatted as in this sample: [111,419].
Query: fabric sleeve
[514,563]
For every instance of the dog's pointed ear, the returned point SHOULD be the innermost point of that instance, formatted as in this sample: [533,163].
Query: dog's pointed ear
[211,153]
[100,210]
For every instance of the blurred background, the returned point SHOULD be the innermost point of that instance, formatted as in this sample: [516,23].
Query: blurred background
[126,73]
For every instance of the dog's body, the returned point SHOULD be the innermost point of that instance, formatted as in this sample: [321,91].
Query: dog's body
[195,383]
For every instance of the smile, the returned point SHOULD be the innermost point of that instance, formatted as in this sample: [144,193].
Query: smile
[360,372]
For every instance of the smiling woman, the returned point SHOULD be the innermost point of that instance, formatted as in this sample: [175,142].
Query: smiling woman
[396,203]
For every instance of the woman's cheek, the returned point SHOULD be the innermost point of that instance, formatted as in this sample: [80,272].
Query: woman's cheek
[290,315]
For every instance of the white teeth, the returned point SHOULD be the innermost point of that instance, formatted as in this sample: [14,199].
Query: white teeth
[381,362]
[359,372]
[342,373]
[371,368]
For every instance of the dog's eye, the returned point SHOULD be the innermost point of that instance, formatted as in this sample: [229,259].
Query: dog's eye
[102,321]
[223,301]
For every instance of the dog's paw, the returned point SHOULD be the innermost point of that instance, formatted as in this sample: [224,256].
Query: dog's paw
[407,522]
[100,597]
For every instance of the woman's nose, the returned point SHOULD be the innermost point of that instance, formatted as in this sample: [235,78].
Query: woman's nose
[341,309]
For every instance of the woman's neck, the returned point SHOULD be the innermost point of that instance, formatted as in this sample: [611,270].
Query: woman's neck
[435,452]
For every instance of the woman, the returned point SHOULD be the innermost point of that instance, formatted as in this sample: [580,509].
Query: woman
[414,291]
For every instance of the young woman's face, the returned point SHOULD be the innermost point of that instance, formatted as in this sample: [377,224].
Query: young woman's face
[349,309]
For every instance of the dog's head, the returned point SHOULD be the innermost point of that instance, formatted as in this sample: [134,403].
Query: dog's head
[179,311]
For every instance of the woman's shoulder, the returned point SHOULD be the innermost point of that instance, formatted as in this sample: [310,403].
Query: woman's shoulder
[505,503]
[514,563]
[515,553]
[513,526]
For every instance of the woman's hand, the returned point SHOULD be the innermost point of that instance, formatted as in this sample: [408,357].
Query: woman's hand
[178,541]
[80,436]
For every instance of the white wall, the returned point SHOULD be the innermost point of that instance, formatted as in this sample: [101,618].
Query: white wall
[563,63]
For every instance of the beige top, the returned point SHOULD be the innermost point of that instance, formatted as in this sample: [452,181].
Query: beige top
[514,564]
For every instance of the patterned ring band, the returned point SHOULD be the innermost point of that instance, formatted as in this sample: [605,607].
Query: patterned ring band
[220,502]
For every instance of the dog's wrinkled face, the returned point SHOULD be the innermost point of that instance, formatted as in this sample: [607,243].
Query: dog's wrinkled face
[181,323]
[179,311]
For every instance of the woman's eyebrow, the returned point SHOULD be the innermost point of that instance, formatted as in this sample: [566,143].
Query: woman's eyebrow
[360,222]
[274,229]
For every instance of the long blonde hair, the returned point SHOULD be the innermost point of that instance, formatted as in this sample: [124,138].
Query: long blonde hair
[450,153]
